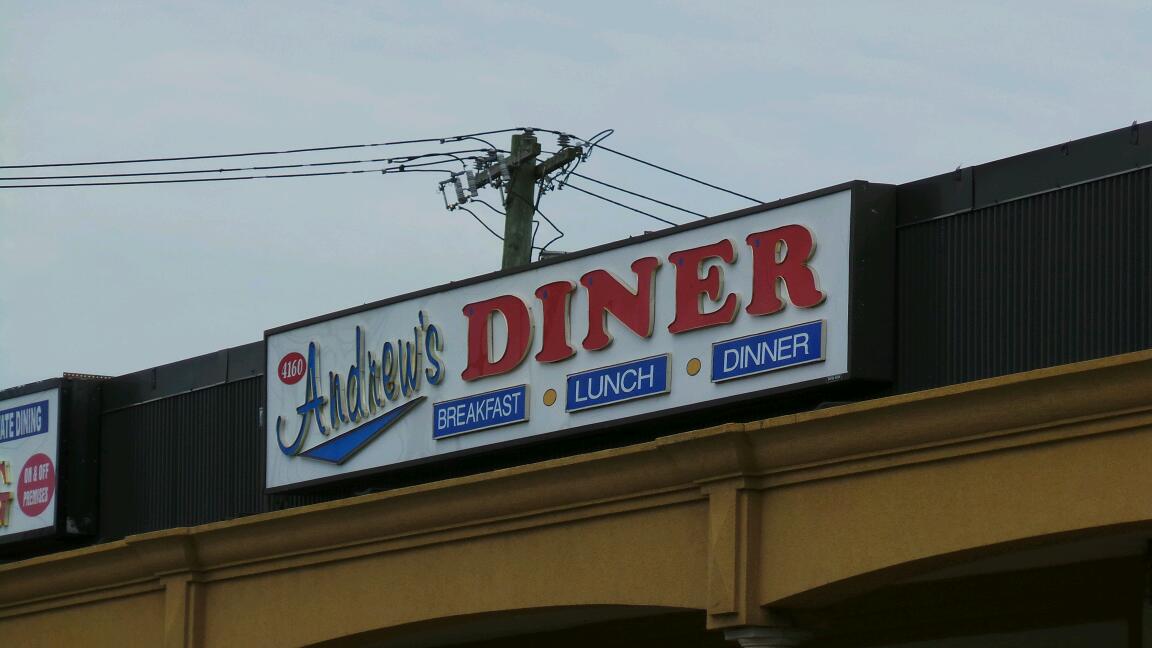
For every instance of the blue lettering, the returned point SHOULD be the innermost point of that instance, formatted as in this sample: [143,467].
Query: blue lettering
[480,412]
[433,346]
[355,389]
[618,383]
[763,352]
[311,409]
[388,371]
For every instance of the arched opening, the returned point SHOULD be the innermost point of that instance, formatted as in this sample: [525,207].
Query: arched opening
[605,626]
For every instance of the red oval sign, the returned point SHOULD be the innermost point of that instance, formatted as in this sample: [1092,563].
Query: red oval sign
[37,484]
[292,368]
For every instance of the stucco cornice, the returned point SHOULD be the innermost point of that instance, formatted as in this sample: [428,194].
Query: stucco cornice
[1041,406]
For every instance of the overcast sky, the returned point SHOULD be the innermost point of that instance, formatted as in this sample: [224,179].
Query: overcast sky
[768,98]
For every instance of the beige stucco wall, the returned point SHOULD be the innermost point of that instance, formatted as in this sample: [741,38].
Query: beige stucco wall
[794,512]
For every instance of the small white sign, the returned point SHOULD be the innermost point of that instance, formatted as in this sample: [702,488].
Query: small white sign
[29,437]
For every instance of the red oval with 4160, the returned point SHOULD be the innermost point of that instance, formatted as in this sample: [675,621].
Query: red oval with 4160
[292,368]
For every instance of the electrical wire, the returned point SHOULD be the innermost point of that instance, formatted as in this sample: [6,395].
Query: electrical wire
[620,204]
[426,140]
[559,233]
[488,205]
[681,175]
[543,184]
[478,220]
[563,182]
[400,169]
[392,160]
[461,138]
[647,163]
[584,155]
[633,193]
[593,143]
[566,173]
[493,232]
[536,208]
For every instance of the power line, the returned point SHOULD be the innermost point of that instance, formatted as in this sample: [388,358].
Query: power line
[488,205]
[681,175]
[398,169]
[478,220]
[597,144]
[426,140]
[596,139]
[559,232]
[620,204]
[392,160]
[633,193]
[497,235]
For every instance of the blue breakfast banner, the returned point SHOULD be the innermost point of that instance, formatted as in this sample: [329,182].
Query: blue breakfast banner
[480,412]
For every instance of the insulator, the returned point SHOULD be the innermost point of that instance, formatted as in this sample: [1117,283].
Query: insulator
[564,140]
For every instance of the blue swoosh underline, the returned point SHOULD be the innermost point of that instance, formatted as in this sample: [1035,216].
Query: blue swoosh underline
[339,449]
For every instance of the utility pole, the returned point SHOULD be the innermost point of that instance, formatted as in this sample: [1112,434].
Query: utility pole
[520,172]
[520,202]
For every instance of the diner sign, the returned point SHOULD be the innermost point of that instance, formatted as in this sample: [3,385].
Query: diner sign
[729,309]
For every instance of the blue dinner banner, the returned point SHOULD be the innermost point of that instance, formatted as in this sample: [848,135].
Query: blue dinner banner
[622,382]
[763,352]
[24,421]
[480,412]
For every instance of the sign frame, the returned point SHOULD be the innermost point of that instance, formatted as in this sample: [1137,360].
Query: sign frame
[77,493]
[871,315]
[56,427]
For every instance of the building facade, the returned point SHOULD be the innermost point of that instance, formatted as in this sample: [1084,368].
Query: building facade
[974,477]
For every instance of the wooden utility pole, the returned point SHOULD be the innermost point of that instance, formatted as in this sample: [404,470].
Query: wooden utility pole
[520,201]
[522,172]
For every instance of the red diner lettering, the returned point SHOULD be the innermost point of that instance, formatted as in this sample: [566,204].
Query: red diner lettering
[607,294]
[691,288]
[781,255]
[554,299]
[480,314]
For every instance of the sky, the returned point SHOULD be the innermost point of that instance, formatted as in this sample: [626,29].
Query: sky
[770,99]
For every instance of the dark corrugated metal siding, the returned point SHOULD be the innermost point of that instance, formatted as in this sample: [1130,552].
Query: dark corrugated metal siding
[187,459]
[1050,279]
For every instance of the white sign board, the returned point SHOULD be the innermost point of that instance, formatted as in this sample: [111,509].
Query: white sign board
[29,437]
[737,306]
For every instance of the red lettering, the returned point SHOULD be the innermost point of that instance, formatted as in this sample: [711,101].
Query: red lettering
[691,288]
[479,315]
[554,299]
[607,294]
[781,255]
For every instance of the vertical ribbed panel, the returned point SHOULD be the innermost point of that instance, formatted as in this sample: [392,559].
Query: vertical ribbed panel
[1051,279]
[184,460]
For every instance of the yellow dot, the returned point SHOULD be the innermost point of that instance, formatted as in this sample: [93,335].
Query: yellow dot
[550,397]
[693,366]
